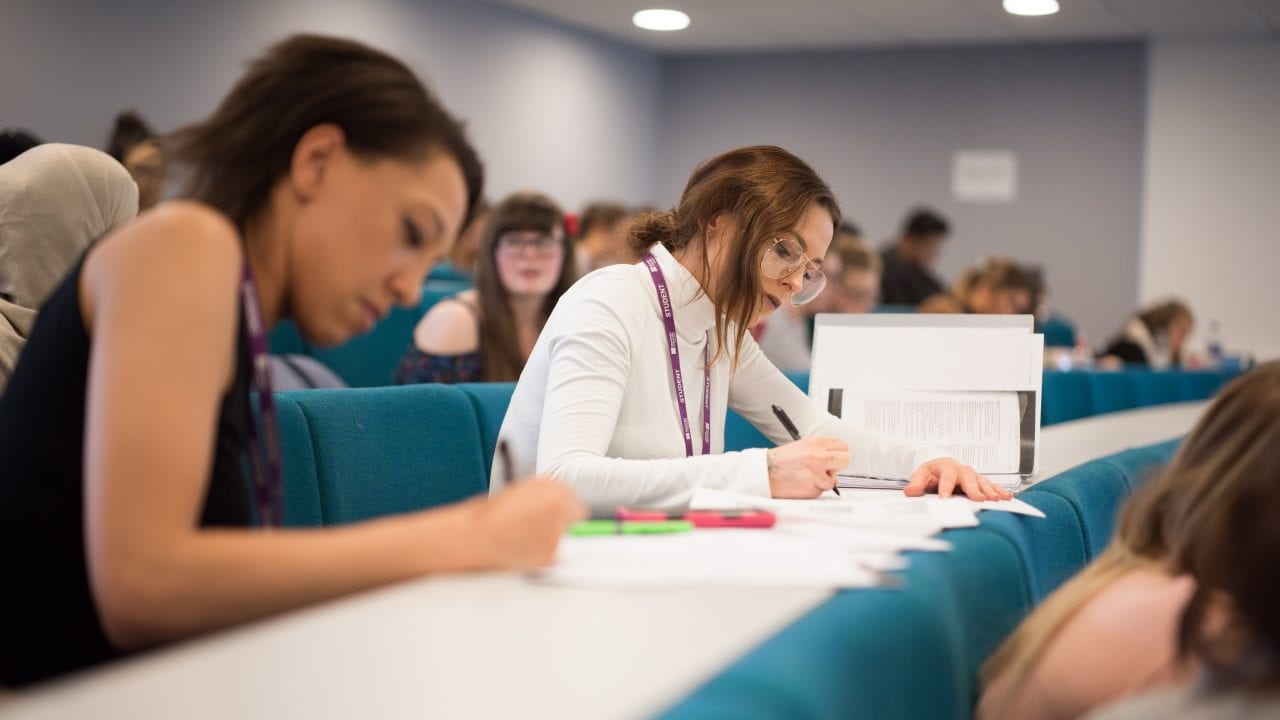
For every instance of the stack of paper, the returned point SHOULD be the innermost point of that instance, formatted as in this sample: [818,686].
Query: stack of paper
[966,385]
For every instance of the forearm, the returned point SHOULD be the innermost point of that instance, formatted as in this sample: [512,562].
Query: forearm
[604,482]
[215,578]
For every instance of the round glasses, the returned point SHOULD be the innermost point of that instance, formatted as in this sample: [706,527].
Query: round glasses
[786,258]
[513,244]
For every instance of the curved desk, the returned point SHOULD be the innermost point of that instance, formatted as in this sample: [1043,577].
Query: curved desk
[490,645]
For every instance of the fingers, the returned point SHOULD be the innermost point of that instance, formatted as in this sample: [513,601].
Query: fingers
[920,482]
[947,477]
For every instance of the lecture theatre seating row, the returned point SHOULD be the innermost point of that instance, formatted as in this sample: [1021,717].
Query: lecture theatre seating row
[915,651]
[911,652]
[1067,396]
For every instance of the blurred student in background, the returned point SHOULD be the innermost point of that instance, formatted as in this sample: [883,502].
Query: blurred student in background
[136,146]
[1154,337]
[54,201]
[852,268]
[908,277]
[997,286]
[602,236]
[1198,541]
[485,334]
[14,141]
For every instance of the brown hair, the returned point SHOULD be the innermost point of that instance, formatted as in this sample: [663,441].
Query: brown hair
[996,273]
[129,130]
[855,253]
[1226,534]
[503,359]
[239,152]
[1161,315]
[1219,495]
[603,214]
[767,191]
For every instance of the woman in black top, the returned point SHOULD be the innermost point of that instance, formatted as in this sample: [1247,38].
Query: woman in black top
[325,185]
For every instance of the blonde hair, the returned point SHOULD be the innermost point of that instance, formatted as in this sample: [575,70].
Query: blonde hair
[1235,443]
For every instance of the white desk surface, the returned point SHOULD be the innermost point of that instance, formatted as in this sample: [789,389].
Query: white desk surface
[490,645]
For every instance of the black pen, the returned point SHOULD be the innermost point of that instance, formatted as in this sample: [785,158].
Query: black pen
[793,432]
[504,459]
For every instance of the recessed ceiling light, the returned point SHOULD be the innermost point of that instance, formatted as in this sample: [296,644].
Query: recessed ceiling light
[1031,7]
[661,20]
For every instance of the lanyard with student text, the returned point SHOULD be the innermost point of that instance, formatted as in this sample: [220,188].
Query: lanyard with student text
[669,321]
[264,437]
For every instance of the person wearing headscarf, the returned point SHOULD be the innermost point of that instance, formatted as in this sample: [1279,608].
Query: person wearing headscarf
[54,201]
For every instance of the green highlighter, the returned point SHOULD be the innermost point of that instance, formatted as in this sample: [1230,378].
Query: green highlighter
[622,527]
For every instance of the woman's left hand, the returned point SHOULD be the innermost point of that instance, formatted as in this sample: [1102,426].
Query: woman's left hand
[948,474]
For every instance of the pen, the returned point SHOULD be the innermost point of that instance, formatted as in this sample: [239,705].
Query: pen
[793,432]
[504,459]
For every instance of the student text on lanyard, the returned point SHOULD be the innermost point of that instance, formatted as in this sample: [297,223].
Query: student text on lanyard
[669,321]
[264,437]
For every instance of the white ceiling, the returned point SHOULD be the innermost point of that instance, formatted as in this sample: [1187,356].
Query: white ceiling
[754,25]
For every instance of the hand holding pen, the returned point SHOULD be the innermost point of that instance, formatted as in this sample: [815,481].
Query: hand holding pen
[521,525]
[806,467]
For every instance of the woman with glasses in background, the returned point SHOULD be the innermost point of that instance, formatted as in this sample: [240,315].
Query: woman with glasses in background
[625,394]
[486,334]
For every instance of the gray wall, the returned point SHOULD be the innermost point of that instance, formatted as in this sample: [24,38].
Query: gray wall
[882,127]
[549,107]
[1211,230]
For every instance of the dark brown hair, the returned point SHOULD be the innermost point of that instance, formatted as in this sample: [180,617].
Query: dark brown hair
[503,359]
[239,152]
[129,130]
[767,191]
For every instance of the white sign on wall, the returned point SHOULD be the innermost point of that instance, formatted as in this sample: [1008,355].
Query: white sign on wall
[984,176]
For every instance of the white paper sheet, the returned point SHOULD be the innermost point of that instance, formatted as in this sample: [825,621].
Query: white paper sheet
[903,515]
[713,558]
[979,429]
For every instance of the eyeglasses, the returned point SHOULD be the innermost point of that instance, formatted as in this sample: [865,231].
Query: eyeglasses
[513,244]
[784,259]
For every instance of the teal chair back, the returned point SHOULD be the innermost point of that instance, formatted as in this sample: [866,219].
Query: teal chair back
[490,402]
[1066,397]
[383,451]
[301,486]
[1112,391]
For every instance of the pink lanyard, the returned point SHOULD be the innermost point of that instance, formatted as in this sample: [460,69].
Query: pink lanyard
[264,439]
[669,321]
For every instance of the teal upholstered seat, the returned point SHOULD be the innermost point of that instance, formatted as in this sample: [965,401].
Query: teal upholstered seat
[1066,397]
[1112,391]
[301,487]
[490,401]
[1052,550]
[909,653]
[1095,490]
[1200,385]
[382,451]
[1154,388]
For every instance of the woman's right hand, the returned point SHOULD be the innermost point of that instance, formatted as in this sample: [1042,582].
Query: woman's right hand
[807,467]
[520,527]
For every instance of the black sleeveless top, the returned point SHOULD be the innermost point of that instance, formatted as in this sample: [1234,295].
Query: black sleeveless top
[48,620]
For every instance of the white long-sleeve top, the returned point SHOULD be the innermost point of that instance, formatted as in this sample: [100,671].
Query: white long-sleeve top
[596,408]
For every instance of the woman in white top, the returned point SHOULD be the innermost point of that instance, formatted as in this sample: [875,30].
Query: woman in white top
[600,404]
